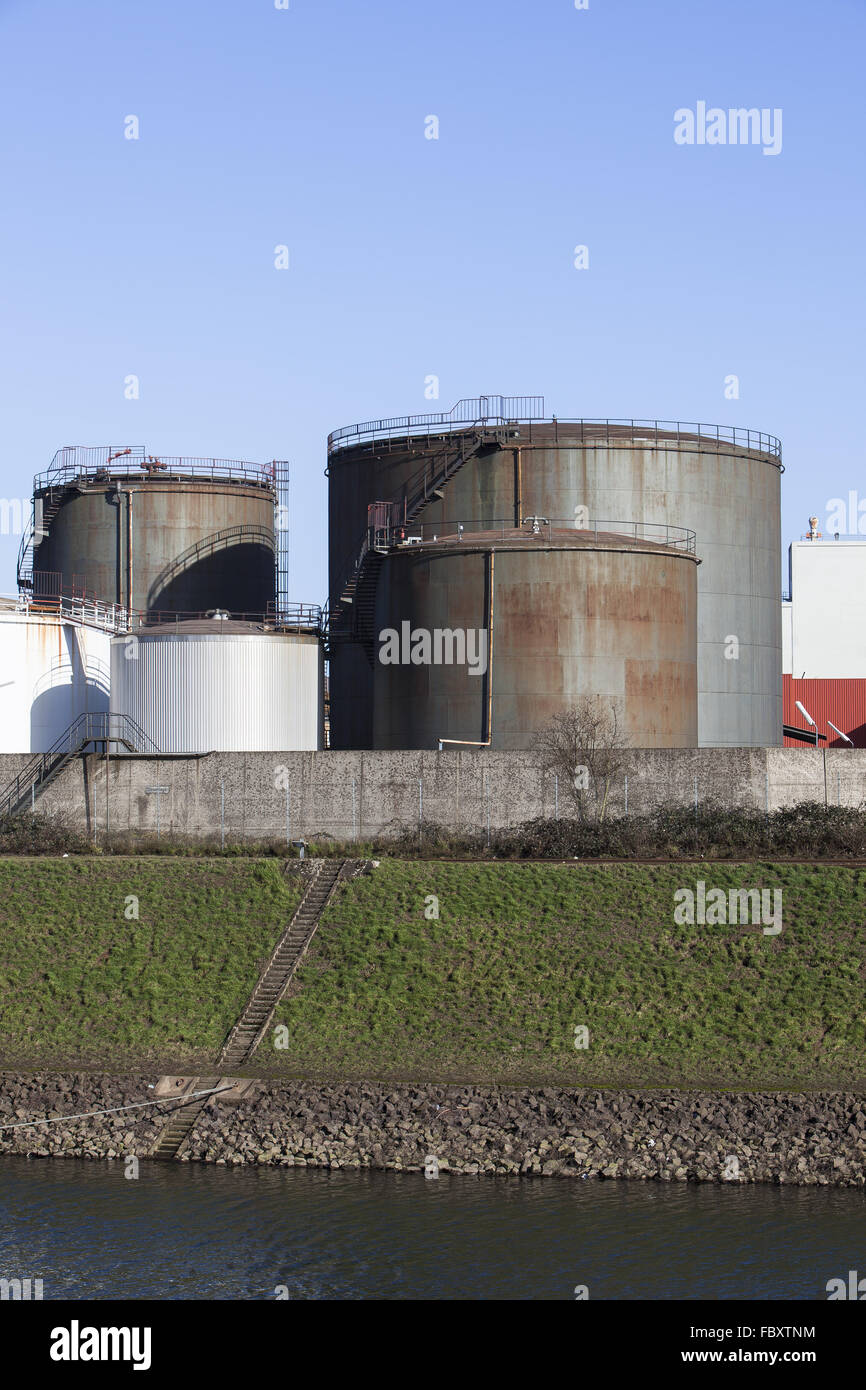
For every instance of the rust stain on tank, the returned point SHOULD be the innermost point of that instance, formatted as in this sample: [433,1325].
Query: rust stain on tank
[557,638]
[719,487]
[87,542]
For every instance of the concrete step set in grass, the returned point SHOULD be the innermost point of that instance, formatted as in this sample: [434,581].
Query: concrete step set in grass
[253,1022]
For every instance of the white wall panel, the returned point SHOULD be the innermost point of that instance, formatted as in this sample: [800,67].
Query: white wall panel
[828,600]
[50,672]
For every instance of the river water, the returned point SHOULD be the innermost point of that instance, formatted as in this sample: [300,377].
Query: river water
[187,1231]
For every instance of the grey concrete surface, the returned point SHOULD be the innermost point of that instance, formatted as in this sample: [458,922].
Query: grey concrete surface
[353,796]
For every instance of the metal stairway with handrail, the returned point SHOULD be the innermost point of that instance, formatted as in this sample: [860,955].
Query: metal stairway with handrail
[105,727]
[248,1031]
[27,550]
[352,618]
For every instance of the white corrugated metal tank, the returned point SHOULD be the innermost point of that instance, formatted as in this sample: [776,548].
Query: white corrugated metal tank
[50,672]
[226,692]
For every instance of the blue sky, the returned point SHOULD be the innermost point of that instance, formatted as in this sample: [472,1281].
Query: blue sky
[411,257]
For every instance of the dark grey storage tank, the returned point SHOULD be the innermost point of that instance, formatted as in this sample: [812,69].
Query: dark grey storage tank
[154,534]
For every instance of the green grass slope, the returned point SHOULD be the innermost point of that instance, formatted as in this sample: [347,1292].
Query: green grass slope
[83,984]
[521,955]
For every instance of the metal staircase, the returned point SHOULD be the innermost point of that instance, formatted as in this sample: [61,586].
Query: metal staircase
[357,623]
[273,982]
[253,1023]
[105,728]
[51,502]
[352,617]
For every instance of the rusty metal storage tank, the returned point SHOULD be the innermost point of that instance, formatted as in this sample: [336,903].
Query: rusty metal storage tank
[499,457]
[211,684]
[154,534]
[484,634]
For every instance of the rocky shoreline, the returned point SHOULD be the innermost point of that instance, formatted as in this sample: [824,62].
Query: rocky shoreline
[663,1136]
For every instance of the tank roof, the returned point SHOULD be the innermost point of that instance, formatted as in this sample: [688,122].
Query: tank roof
[539,533]
[557,539]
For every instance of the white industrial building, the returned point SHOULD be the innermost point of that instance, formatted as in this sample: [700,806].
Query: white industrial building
[824,621]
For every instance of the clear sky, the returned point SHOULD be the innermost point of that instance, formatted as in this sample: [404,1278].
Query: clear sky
[411,257]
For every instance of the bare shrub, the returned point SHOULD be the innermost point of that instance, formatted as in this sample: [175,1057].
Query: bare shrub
[584,747]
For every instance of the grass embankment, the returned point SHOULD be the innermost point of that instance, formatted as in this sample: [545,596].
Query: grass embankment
[492,991]
[84,985]
[522,954]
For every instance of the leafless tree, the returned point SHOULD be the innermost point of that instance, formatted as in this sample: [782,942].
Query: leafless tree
[584,747]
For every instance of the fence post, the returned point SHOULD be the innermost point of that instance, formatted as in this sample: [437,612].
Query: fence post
[487,792]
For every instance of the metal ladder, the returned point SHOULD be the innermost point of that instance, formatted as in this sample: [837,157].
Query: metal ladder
[253,1023]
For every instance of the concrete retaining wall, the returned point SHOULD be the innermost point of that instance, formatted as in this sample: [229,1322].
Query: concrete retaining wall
[357,795]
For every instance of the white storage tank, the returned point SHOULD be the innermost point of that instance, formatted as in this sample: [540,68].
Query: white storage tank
[219,685]
[52,669]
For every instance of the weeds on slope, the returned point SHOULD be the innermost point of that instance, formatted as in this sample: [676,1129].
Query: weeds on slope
[808,830]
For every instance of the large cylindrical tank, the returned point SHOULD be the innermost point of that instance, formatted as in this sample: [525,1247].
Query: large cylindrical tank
[722,483]
[53,670]
[221,686]
[167,535]
[523,627]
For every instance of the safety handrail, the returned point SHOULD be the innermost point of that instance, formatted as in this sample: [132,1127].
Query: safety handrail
[103,726]
[290,615]
[473,410]
[650,532]
[83,461]
[594,430]
[108,617]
